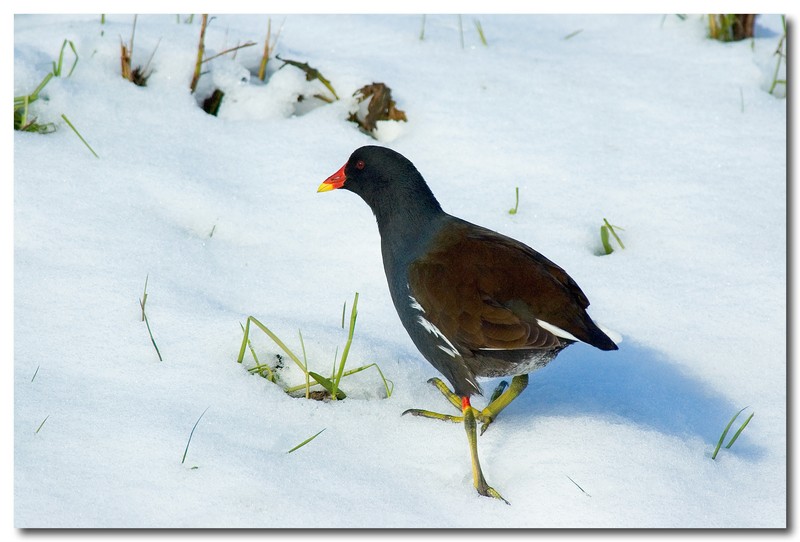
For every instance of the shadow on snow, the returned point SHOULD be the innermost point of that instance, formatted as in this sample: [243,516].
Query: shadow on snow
[634,383]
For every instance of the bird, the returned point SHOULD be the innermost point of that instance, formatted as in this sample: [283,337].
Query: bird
[474,302]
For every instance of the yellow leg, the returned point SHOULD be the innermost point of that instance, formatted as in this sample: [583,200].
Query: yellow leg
[472,437]
[488,414]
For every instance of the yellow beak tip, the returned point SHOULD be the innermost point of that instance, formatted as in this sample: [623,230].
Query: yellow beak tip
[325,187]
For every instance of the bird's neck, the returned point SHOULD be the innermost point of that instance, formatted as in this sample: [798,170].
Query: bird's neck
[406,222]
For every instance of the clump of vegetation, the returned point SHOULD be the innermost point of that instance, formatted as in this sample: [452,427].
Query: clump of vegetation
[24,123]
[735,436]
[780,53]
[269,48]
[331,388]
[138,75]
[57,66]
[21,103]
[312,74]
[607,229]
[212,103]
[381,106]
[731,27]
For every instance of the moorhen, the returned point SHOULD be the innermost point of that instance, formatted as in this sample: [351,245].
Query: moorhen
[475,303]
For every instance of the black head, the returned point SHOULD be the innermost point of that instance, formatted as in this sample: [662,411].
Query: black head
[386,180]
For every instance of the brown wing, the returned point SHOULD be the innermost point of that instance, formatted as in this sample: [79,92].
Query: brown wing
[486,291]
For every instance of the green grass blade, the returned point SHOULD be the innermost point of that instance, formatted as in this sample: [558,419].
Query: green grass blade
[72,69]
[147,323]
[276,340]
[346,351]
[479,28]
[739,432]
[305,363]
[263,370]
[614,233]
[23,121]
[309,439]
[41,424]
[63,116]
[35,95]
[328,385]
[576,485]
[607,248]
[192,433]
[35,373]
[725,433]
[569,36]
[252,350]
[246,330]
[143,300]
[386,381]
[57,66]
[516,203]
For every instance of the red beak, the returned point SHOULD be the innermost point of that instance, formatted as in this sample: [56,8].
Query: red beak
[334,181]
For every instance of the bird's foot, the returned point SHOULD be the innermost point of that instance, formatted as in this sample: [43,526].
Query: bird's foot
[485,417]
[488,491]
[433,415]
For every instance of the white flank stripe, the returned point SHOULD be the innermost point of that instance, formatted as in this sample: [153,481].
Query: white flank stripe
[430,328]
[557,331]
[452,353]
[415,304]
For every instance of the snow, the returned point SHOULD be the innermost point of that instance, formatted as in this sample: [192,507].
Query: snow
[638,119]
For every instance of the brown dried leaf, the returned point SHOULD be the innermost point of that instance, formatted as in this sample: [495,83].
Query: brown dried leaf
[380,107]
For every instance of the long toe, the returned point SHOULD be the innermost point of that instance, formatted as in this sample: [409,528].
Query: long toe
[433,415]
[454,399]
[486,421]
[488,491]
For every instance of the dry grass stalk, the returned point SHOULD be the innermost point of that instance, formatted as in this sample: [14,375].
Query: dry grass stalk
[201,47]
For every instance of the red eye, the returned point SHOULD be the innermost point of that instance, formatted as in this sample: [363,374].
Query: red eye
[360,164]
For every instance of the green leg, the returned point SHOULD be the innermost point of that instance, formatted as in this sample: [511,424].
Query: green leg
[472,437]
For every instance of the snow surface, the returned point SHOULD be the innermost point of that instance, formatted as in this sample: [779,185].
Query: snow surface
[638,119]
